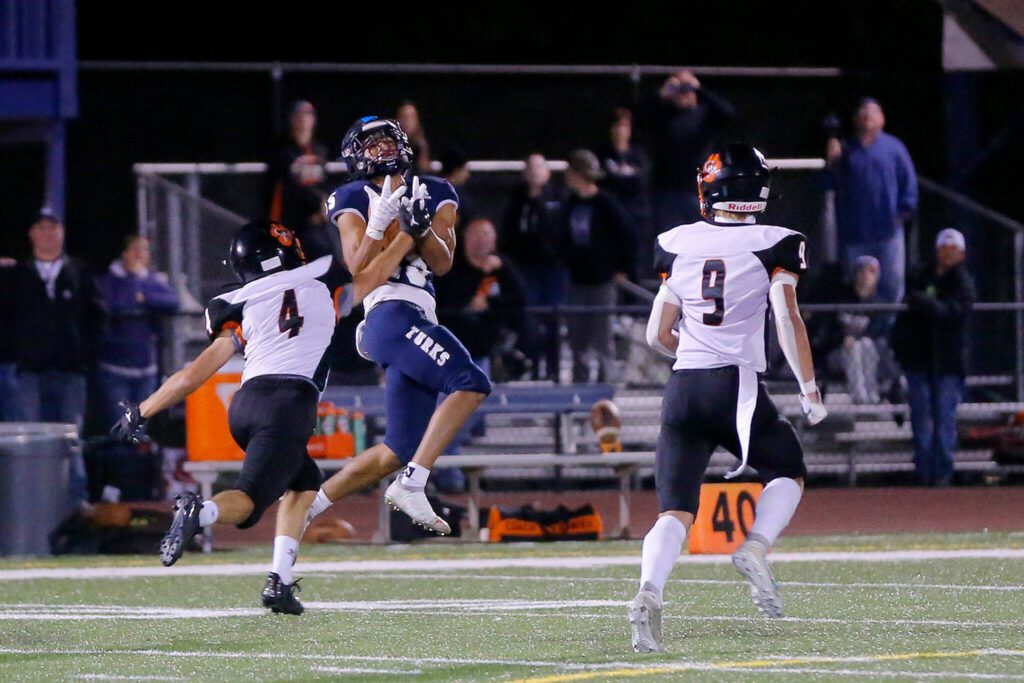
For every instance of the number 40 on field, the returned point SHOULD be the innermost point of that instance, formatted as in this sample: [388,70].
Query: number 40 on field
[724,517]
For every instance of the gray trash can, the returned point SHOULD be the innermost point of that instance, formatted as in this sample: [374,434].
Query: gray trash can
[34,460]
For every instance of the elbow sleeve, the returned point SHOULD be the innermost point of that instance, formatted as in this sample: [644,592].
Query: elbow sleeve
[664,296]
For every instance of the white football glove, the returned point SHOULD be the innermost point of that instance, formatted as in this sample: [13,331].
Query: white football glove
[360,330]
[814,411]
[383,208]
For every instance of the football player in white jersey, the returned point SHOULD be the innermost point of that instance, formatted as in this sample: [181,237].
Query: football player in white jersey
[282,318]
[719,277]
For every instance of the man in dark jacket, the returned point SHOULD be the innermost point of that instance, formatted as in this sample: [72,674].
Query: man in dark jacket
[930,340]
[530,230]
[597,248]
[133,297]
[51,315]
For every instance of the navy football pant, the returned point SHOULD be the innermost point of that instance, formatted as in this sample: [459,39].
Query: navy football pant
[421,359]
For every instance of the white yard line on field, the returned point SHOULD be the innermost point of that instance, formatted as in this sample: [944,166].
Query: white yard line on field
[562,578]
[444,608]
[579,562]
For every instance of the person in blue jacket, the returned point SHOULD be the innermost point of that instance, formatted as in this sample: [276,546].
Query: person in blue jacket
[134,298]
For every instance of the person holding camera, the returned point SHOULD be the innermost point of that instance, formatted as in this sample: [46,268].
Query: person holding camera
[681,130]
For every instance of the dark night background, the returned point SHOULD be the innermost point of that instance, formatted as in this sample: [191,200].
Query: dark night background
[891,50]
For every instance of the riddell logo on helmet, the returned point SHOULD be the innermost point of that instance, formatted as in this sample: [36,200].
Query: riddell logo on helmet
[741,206]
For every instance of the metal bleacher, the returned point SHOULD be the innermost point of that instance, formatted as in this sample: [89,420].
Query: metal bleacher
[855,441]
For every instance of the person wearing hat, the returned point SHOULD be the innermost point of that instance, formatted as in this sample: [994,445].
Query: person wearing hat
[930,340]
[876,194]
[51,314]
[597,247]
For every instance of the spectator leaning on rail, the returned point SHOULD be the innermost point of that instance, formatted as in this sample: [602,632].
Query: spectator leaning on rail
[133,297]
[598,249]
[876,194]
[627,176]
[408,117]
[681,130]
[297,175]
[930,340]
[529,236]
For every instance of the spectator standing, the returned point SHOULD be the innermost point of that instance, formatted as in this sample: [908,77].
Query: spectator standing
[627,176]
[408,117]
[529,236]
[876,194]
[298,175]
[930,340]
[683,127]
[599,252]
[52,318]
[133,297]
[455,169]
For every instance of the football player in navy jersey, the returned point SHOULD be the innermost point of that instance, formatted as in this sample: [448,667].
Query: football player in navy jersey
[719,277]
[282,317]
[421,359]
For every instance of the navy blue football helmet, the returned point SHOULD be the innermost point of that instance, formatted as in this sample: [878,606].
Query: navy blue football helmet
[366,152]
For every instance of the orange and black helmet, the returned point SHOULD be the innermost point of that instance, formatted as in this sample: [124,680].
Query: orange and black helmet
[735,178]
[263,247]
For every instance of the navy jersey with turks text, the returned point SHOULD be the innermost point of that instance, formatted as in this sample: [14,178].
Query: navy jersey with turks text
[412,281]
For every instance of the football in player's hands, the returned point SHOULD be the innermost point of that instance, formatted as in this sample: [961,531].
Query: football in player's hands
[132,426]
[814,410]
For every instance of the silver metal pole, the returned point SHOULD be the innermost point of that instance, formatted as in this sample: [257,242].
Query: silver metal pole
[141,207]
[193,266]
[175,263]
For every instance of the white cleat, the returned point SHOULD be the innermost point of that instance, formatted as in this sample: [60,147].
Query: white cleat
[750,560]
[645,622]
[414,503]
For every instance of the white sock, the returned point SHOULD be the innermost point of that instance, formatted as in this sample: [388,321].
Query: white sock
[285,549]
[775,508]
[320,503]
[414,476]
[662,546]
[209,513]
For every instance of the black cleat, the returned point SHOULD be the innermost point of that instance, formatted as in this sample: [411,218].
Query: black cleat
[280,597]
[184,526]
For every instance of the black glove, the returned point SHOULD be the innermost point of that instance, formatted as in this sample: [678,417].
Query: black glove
[413,216]
[132,426]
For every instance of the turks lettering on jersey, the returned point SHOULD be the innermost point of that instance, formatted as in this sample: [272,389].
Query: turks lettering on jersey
[428,345]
